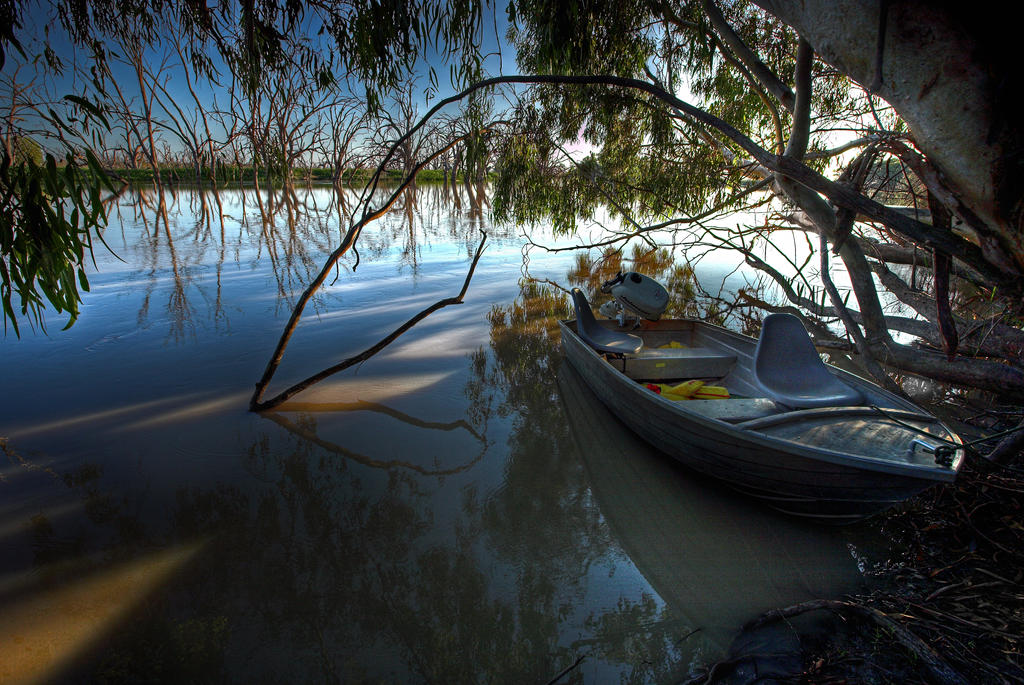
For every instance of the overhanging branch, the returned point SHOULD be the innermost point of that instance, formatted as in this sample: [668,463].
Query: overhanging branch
[791,168]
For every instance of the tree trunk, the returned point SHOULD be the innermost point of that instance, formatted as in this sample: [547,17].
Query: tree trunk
[948,70]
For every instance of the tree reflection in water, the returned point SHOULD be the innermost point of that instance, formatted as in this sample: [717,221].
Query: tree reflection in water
[290,230]
[366,543]
[541,512]
[327,574]
[333,568]
[306,428]
[714,560]
[545,516]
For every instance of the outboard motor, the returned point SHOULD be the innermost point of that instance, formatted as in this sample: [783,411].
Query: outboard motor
[635,294]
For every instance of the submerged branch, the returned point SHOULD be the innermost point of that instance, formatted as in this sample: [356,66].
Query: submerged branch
[256,405]
[809,190]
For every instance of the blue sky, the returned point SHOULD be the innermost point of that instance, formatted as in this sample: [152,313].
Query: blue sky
[41,26]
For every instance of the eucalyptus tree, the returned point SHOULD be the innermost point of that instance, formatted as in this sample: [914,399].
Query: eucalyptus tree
[285,111]
[398,116]
[373,44]
[342,125]
[768,128]
[194,125]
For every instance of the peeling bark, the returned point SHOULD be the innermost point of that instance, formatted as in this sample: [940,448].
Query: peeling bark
[950,70]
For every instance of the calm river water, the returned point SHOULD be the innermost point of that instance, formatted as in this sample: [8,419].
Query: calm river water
[449,511]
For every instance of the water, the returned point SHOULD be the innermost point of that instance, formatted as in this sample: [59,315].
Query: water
[446,511]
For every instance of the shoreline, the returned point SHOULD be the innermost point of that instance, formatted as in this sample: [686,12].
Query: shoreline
[945,608]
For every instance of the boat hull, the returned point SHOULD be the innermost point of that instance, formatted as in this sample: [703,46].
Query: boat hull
[716,560]
[792,478]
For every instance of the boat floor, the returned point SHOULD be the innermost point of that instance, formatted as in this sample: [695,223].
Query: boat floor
[873,436]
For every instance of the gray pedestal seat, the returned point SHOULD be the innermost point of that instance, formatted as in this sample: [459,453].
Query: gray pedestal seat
[789,370]
[598,337]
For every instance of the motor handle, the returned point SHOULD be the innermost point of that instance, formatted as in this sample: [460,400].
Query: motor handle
[607,285]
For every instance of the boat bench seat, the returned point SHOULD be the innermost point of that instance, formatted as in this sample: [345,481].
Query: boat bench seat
[673,363]
[735,410]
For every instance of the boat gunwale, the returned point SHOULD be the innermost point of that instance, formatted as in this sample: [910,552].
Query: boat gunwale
[934,473]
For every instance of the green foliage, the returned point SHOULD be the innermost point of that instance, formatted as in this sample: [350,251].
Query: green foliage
[27,150]
[48,217]
[582,37]
[230,175]
[649,163]
[645,165]
[654,654]
[643,170]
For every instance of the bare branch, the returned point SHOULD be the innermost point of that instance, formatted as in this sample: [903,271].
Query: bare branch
[256,405]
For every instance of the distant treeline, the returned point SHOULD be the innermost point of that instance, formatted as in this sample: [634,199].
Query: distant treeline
[237,175]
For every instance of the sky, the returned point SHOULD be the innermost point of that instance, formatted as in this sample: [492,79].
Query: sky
[42,27]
